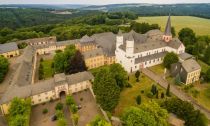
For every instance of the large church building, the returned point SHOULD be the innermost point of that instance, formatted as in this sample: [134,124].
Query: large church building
[135,51]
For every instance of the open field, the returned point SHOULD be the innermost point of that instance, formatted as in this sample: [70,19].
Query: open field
[200,26]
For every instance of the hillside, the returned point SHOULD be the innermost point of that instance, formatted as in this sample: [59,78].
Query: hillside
[200,25]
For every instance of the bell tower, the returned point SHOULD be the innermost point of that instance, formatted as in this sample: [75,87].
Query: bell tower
[167,37]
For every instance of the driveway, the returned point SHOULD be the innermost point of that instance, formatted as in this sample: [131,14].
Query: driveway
[179,93]
[89,107]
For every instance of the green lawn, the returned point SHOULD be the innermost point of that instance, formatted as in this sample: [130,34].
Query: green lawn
[158,69]
[47,68]
[201,26]
[128,95]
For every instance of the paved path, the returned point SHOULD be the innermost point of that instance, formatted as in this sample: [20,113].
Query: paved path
[178,92]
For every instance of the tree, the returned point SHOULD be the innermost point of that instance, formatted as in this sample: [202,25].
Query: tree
[169,59]
[75,118]
[162,95]
[173,32]
[61,122]
[59,62]
[154,89]
[187,36]
[207,56]
[157,94]
[4,67]
[76,64]
[119,74]
[208,75]
[138,99]
[148,114]
[98,121]
[69,100]
[59,106]
[168,91]
[137,74]
[185,111]
[19,112]
[106,90]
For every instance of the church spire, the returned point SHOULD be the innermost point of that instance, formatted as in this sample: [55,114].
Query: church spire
[168,26]
[167,37]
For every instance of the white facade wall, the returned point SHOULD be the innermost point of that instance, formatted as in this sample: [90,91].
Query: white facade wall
[43,97]
[79,86]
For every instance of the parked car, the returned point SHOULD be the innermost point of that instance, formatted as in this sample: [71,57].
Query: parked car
[53,118]
[79,106]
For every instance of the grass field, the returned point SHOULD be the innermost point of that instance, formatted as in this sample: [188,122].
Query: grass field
[200,26]
[48,70]
[128,95]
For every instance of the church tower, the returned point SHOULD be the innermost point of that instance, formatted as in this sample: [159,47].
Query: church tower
[119,40]
[167,37]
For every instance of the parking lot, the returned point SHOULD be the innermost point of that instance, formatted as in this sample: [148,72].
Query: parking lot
[40,119]
[89,107]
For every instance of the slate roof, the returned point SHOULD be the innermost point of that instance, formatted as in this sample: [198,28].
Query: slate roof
[185,56]
[107,41]
[190,65]
[86,38]
[52,39]
[93,53]
[149,41]
[43,86]
[150,57]
[8,47]
[168,26]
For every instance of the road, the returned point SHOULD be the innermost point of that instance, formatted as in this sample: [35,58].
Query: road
[177,92]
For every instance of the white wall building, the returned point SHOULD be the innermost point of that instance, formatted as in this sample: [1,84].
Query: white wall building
[135,51]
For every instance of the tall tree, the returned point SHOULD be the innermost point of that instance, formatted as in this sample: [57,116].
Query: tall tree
[173,32]
[106,90]
[207,56]
[76,64]
[154,89]
[169,59]
[59,62]
[148,114]
[4,67]
[137,74]
[119,74]
[187,36]
[168,91]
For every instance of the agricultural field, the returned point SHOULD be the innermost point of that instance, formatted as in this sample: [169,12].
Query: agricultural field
[200,26]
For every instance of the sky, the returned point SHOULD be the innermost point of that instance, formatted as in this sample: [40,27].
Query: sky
[99,2]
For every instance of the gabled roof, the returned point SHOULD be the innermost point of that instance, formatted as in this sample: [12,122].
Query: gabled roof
[168,26]
[93,53]
[8,47]
[190,65]
[86,38]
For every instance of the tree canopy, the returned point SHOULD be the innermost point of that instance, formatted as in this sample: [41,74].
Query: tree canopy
[169,59]
[147,114]
[186,111]
[187,36]
[19,112]
[4,67]
[98,121]
[106,90]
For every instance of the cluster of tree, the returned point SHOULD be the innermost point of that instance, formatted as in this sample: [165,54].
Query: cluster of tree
[73,108]
[98,121]
[41,70]
[143,27]
[70,61]
[19,112]
[147,114]
[23,17]
[169,59]
[185,111]
[109,18]
[107,86]
[4,67]
[198,10]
